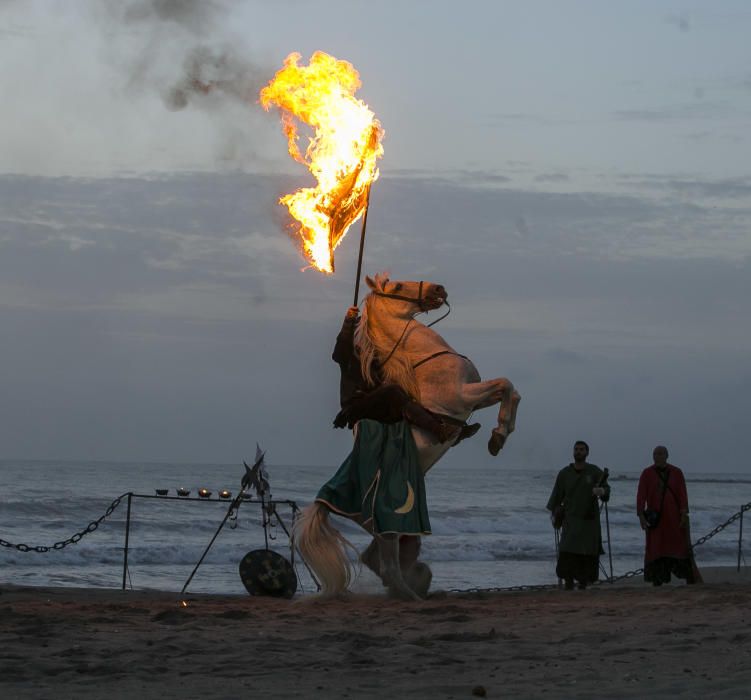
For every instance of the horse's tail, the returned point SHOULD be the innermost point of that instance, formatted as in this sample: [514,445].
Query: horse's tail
[323,548]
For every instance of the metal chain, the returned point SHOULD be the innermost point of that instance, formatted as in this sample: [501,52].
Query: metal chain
[73,539]
[94,525]
[627,575]
[720,528]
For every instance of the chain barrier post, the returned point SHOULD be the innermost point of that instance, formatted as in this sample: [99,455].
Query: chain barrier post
[740,539]
[127,537]
[610,544]
[557,553]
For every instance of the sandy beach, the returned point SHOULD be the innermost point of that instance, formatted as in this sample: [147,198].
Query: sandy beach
[609,641]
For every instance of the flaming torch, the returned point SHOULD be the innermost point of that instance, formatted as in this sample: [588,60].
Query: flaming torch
[341,153]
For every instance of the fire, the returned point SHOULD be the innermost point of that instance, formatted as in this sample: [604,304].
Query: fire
[341,154]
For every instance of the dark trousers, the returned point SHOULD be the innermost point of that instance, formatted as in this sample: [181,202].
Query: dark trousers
[384,404]
[584,568]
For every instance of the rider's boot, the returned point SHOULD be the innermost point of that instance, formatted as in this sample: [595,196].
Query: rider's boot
[467,431]
[418,415]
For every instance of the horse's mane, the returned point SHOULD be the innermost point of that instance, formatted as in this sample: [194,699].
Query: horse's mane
[373,345]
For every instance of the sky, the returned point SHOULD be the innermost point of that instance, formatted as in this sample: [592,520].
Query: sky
[576,174]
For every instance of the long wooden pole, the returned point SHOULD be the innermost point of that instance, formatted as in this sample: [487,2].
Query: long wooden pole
[362,246]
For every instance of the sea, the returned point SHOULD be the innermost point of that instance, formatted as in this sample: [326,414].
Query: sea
[490,526]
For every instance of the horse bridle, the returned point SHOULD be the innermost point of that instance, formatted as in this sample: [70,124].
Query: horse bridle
[420,300]
[421,303]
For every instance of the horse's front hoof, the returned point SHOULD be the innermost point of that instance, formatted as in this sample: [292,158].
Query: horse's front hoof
[495,443]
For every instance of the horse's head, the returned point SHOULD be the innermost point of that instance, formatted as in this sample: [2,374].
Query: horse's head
[423,296]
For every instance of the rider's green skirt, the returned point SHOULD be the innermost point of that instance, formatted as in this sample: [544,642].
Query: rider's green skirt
[381,481]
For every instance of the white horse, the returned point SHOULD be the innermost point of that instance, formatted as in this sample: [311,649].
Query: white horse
[419,360]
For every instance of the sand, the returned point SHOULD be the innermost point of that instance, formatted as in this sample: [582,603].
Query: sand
[609,641]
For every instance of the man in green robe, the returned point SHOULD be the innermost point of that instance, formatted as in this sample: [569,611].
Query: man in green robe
[577,488]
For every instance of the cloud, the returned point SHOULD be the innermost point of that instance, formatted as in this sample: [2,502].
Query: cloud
[12,33]
[738,188]
[565,357]
[551,177]
[680,112]
[520,224]
[168,318]
[503,119]
[680,20]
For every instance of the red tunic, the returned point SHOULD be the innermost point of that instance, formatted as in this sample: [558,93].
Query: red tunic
[668,539]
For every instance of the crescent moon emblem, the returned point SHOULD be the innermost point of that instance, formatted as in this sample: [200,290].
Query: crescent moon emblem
[409,504]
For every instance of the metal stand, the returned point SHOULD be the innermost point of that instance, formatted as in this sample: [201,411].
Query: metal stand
[610,547]
[292,545]
[232,506]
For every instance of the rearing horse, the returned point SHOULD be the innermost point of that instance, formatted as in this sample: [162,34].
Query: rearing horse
[419,360]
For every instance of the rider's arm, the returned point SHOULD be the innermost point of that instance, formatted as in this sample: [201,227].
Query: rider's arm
[345,341]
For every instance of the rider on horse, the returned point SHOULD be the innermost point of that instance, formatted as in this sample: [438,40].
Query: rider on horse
[381,483]
[385,403]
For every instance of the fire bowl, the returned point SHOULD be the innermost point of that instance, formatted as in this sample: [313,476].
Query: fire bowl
[183,492]
[161,492]
[204,493]
[225,494]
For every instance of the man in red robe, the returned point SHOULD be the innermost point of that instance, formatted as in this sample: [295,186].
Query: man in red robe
[662,507]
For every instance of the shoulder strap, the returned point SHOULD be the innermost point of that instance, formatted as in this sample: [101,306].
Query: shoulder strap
[665,487]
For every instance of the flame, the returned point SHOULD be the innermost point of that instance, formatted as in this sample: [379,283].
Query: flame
[341,154]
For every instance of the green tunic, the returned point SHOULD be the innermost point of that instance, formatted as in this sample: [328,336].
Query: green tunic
[581,525]
[380,484]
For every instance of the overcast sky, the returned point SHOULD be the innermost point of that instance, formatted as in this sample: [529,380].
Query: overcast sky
[576,174]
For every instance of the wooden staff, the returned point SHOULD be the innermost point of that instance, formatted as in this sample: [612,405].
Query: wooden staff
[603,481]
[362,246]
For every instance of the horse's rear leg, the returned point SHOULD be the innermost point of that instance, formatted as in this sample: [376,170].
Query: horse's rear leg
[409,551]
[371,557]
[417,574]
